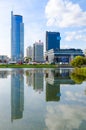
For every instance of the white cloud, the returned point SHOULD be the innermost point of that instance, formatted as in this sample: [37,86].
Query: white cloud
[70,36]
[76,35]
[64,13]
[74,96]
[71,113]
[62,117]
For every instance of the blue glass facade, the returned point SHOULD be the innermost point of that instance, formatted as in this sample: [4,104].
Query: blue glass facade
[17,94]
[62,55]
[52,40]
[17,37]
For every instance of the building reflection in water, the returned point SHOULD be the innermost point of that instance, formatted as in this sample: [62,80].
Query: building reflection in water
[28,77]
[35,78]
[53,80]
[4,74]
[52,92]
[17,94]
[37,81]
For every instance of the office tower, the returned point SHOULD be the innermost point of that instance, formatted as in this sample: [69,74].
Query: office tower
[17,37]
[52,40]
[29,52]
[38,51]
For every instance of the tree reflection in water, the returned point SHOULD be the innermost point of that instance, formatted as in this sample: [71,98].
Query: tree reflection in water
[77,78]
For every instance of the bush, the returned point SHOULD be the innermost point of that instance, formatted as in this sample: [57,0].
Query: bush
[78,61]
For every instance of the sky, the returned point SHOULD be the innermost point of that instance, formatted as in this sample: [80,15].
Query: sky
[65,16]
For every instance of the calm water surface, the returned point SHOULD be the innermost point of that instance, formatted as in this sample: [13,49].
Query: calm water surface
[42,99]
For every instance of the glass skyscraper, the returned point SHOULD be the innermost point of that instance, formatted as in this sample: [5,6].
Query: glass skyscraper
[17,37]
[52,40]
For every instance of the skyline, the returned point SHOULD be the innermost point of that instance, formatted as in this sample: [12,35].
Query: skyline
[65,16]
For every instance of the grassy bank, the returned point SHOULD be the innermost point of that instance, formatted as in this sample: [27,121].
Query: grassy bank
[27,66]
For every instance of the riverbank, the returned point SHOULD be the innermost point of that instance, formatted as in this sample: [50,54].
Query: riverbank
[35,66]
[27,66]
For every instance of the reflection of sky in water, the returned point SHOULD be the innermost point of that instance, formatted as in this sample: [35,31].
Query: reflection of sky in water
[65,109]
[65,117]
[74,94]
[70,112]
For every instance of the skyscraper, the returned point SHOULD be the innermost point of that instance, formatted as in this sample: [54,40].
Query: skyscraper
[17,37]
[52,40]
[29,51]
[38,55]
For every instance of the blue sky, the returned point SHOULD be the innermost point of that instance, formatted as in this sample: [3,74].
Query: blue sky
[65,16]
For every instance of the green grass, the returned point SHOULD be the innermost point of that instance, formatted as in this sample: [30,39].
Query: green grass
[27,66]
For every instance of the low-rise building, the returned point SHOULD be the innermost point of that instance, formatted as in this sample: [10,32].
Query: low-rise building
[4,59]
[62,55]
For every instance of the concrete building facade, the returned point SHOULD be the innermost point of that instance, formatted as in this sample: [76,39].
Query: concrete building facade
[38,54]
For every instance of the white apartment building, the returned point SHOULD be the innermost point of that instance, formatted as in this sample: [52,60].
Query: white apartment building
[38,51]
[29,51]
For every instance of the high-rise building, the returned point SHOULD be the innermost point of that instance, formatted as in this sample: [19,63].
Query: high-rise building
[29,52]
[17,37]
[38,48]
[52,40]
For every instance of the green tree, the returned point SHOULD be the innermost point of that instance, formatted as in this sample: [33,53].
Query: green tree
[78,61]
[27,59]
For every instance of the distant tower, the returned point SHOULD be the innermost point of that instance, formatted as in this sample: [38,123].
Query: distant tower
[38,49]
[52,40]
[29,52]
[17,37]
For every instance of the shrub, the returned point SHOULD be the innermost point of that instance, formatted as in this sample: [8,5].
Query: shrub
[78,61]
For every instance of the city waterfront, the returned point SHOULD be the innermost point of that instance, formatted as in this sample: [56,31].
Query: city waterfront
[42,99]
